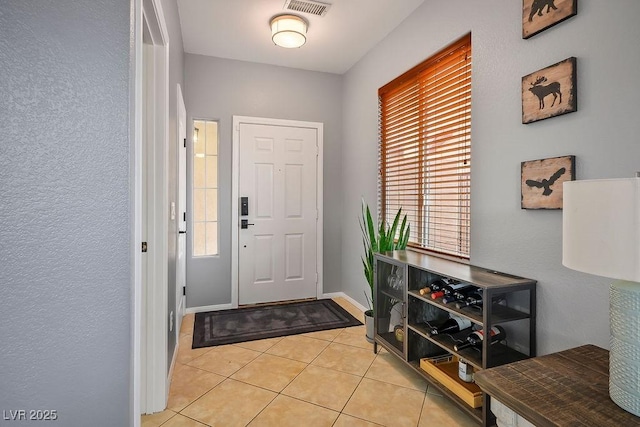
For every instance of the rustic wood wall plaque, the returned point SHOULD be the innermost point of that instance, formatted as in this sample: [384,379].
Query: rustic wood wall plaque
[542,180]
[538,15]
[550,92]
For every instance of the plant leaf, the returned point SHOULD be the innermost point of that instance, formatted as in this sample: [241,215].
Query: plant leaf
[399,245]
[392,232]
[405,241]
[372,233]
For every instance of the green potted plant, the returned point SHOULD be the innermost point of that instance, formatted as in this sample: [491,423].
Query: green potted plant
[379,239]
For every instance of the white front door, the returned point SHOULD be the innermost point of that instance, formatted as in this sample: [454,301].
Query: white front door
[278,176]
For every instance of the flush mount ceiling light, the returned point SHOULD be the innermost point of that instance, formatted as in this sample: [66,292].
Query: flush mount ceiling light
[288,31]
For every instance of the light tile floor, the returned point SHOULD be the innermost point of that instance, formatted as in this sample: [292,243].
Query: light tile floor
[327,378]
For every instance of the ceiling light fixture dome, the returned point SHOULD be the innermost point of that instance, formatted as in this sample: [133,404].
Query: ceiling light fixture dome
[288,31]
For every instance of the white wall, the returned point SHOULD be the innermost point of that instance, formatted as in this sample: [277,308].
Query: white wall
[219,88]
[602,134]
[176,76]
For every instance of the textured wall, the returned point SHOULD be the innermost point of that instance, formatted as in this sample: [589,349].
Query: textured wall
[64,210]
[220,88]
[602,134]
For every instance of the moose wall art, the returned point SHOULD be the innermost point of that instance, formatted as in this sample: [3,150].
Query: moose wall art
[541,181]
[538,15]
[550,92]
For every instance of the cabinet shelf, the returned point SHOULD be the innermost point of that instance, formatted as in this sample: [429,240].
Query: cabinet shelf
[476,413]
[390,342]
[499,313]
[446,342]
[392,294]
[500,353]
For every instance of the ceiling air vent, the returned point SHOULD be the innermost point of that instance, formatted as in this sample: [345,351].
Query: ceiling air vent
[307,6]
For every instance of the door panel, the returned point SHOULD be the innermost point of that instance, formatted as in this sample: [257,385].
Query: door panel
[263,267]
[264,191]
[293,191]
[277,252]
[294,248]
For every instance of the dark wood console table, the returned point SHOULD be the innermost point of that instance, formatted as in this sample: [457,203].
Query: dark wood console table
[569,388]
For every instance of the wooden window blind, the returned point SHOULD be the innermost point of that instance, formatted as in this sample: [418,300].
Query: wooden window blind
[425,150]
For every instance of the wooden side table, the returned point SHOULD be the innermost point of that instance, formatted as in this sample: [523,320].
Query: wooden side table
[569,388]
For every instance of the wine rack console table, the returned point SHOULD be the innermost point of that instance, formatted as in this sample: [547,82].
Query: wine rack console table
[403,317]
[569,388]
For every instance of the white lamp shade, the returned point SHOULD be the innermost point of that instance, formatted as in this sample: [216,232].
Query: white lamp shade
[601,227]
[288,31]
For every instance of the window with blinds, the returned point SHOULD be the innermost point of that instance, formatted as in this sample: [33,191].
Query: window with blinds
[425,150]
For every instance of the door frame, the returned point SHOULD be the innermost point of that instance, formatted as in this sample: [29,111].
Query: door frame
[235,197]
[181,209]
[150,342]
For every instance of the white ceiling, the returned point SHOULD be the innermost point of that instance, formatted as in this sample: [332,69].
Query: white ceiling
[239,29]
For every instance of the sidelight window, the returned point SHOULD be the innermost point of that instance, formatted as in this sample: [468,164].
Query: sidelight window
[205,188]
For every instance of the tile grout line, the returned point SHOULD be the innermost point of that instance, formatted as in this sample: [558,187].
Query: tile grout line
[351,396]
[280,393]
[354,391]
[262,410]
[226,377]
[167,420]
[424,400]
[297,360]
[263,352]
[186,416]
[198,398]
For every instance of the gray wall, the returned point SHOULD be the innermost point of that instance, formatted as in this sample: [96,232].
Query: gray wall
[602,134]
[64,209]
[219,89]
[64,173]
[176,76]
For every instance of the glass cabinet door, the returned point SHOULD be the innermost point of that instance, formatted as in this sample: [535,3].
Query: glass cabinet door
[389,304]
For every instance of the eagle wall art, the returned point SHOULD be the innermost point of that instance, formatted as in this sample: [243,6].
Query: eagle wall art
[542,180]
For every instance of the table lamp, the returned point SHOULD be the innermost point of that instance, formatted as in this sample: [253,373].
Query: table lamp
[601,236]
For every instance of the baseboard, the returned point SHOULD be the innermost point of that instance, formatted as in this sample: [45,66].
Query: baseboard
[204,308]
[179,317]
[181,305]
[347,297]
[173,364]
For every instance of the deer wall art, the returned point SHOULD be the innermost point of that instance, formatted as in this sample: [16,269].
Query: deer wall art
[549,92]
[541,91]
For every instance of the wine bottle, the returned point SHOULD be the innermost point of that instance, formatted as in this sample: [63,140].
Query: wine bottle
[458,295]
[452,325]
[436,285]
[475,338]
[474,298]
[449,290]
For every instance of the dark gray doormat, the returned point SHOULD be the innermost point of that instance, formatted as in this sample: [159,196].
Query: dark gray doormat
[268,321]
